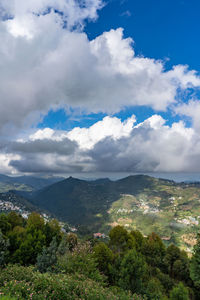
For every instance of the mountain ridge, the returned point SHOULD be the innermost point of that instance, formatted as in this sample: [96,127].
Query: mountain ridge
[137,202]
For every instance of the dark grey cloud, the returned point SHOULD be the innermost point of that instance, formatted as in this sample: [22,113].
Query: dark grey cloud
[64,147]
[150,146]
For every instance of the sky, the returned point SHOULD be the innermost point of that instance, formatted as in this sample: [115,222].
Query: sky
[93,86]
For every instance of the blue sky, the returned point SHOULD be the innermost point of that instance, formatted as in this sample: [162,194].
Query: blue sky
[161,29]
[166,30]
[99,86]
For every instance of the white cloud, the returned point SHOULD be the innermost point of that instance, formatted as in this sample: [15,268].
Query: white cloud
[26,15]
[5,167]
[192,110]
[108,127]
[151,146]
[47,61]
[109,146]
[44,65]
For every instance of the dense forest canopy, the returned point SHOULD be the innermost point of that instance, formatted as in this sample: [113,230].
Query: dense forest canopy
[48,262]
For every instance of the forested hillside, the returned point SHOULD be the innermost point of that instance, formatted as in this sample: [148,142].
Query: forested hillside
[137,202]
[40,260]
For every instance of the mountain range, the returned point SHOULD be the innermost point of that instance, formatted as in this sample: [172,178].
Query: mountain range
[25,183]
[137,202]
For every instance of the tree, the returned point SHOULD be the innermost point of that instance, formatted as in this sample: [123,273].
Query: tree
[132,272]
[16,238]
[120,240]
[139,239]
[47,260]
[154,250]
[3,249]
[154,289]
[35,221]
[82,261]
[4,224]
[52,229]
[179,292]
[173,254]
[15,219]
[181,267]
[104,257]
[31,246]
[195,264]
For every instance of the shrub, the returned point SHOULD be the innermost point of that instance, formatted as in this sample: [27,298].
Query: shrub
[55,286]
[81,261]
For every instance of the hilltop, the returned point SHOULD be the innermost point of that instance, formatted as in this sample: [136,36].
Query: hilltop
[149,204]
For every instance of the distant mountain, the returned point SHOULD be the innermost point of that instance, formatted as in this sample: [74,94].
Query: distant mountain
[79,201]
[143,202]
[25,183]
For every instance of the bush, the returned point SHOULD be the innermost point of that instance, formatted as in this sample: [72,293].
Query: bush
[80,261]
[37,286]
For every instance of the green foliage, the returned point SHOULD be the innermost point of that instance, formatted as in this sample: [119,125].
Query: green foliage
[195,264]
[128,261]
[15,219]
[154,289]
[104,258]
[30,248]
[173,254]
[181,267]
[72,241]
[52,229]
[139,239]
[5,226]
[132,272]
[3,249]
[180,292]
[35,222]
[120,240]
[80,261]
[7,298]
[63,246]
[37,286]
[154,250]
[46,261]
[166,281]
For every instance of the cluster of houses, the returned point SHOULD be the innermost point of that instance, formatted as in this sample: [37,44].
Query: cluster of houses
[145,208]
[189,221]
[9,206]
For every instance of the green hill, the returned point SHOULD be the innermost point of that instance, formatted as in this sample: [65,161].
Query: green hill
[149,204]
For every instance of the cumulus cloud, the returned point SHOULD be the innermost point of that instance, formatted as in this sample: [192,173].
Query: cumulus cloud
[192,110]
[150,146]
[47,61]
